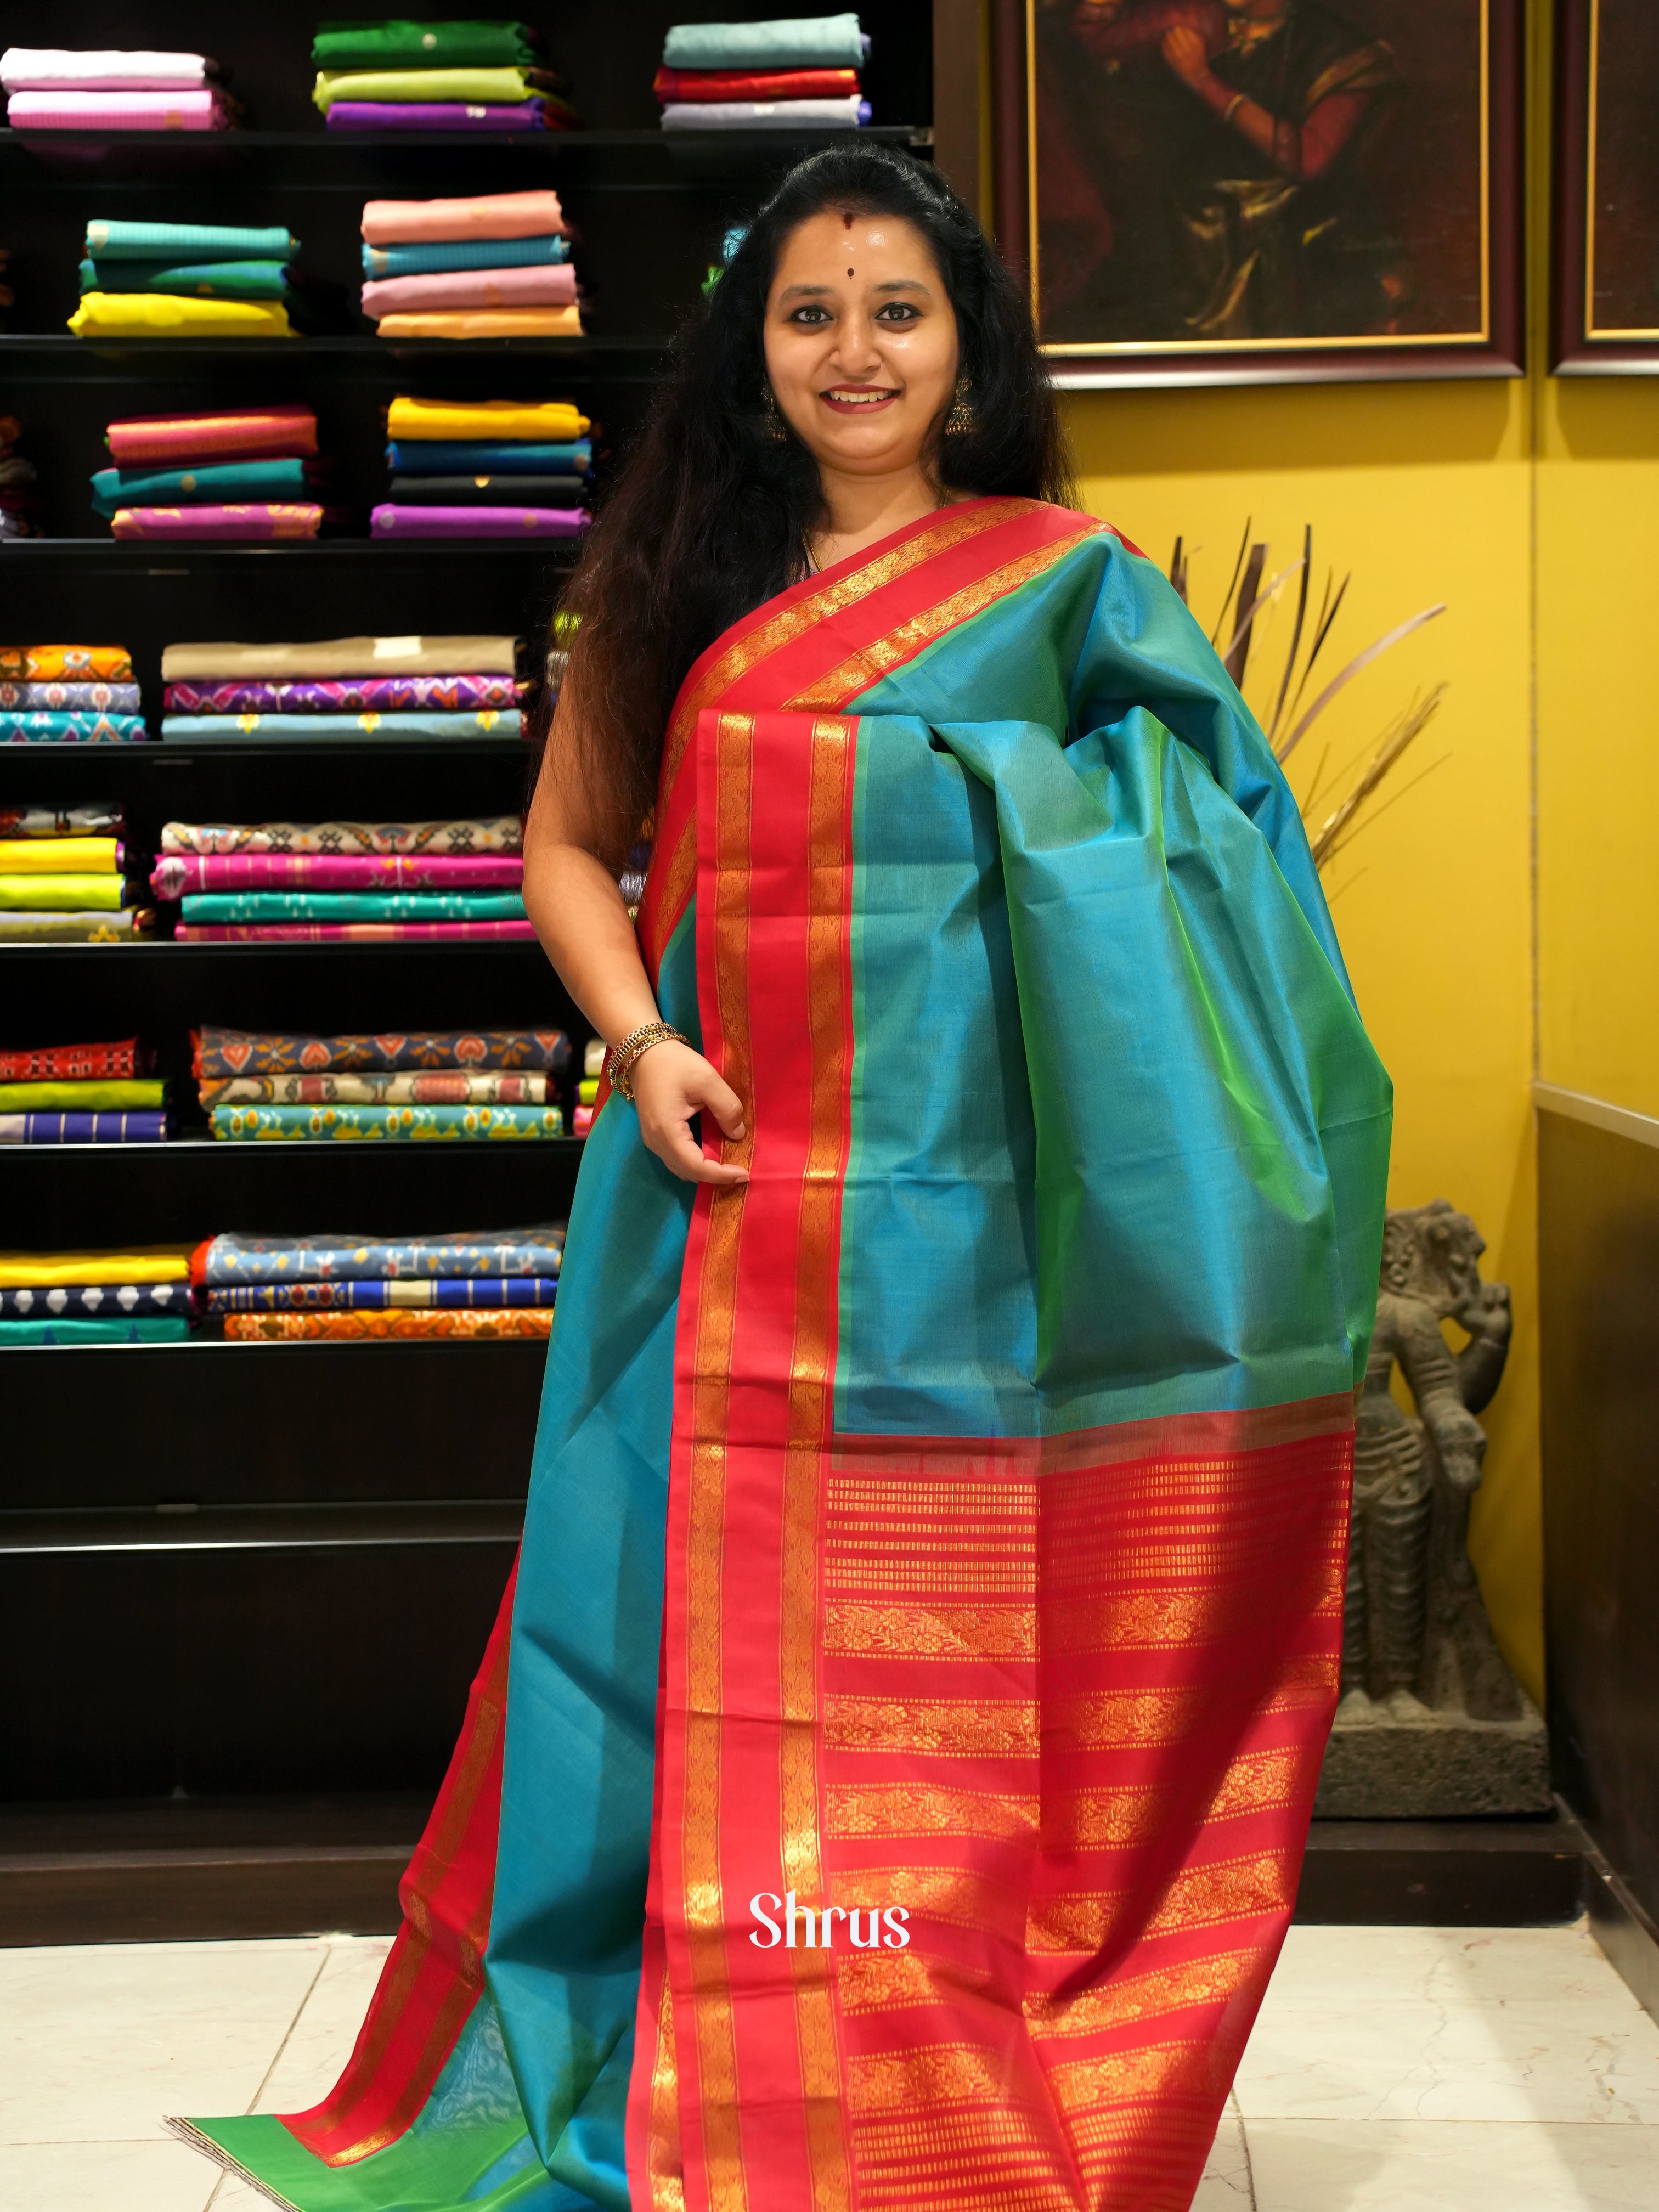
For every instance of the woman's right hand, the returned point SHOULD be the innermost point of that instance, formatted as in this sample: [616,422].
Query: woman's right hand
[670,1084]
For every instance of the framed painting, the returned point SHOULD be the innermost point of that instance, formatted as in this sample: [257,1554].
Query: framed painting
[1606,318]
[1227,191]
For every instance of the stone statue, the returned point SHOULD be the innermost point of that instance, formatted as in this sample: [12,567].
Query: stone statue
[1431,1720]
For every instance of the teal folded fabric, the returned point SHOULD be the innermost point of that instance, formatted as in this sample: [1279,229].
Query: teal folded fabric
[792,42]
[220,484]
[407,1123]
[205,280]
[135,1328]
[469,253]
[354,906]
[487,722]
[186,241]
[466,456]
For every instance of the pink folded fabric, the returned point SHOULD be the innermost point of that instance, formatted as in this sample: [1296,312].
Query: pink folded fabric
[394,521]
[547,286]
[285,432]
[338,932]
[118,110]
[430,222]
[261,520]
[177,874]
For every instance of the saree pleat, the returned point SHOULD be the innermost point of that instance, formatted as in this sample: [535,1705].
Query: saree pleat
[984,1459]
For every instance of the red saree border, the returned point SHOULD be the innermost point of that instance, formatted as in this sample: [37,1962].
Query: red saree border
[434,1970]
[821,642]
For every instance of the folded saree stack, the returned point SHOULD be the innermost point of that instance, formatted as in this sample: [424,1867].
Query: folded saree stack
[54,89]
[487,468]
[799,73]
[141,1295]
[414,1086]
[69,694]
[20,503]
[253,473]
[399,76]
[185,280]
[494,1283]
[492,267]
[81,1094]
[410,688]
[68,876]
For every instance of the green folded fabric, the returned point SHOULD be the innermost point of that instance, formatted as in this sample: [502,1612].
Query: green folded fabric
[348,906]
[186,241]
[397,44]
[788,42]
[399,1123]
[208,280]
[218,484]
[478,87]
[85,1095]
[136,1328]
[56,894]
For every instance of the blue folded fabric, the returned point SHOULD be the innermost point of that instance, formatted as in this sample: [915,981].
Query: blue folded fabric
[139,1329]
[472,253]
[485,722]
[477,457]
[50,725]
[210,280]
[788,42]
[220,482]
[187,242]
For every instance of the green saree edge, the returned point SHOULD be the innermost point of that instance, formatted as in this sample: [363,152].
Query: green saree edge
[194,2133]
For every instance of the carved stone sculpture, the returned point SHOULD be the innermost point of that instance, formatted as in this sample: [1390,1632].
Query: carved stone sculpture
[1433,1723]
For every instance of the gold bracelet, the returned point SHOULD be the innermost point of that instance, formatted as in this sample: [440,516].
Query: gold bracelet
[633,1049]
[1233,107]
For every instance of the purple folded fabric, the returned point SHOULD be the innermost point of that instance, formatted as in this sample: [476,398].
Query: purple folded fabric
[548,286]
[178,874]
[118,110]
[393,521]
[259,519]
[435,115]
[352,695]
[345,932]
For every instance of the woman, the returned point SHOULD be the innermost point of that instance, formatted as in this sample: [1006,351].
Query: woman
[932,1583]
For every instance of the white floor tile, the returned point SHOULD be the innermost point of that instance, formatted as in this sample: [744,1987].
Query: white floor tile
[106,2177]
[99,2041]
[1427,2166]
[321,2038]
[1523,2025]
[1226,2183]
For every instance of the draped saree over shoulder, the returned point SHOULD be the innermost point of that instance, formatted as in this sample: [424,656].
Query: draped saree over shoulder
[943,1535]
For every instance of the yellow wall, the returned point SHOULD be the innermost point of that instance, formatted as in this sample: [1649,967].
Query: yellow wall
[1424,491]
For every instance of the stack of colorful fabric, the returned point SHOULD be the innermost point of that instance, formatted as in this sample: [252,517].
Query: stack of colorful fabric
[495,267]
[799,73]
[185,280]
[20,503]
[69,694]
[142,1296]
[252,474]
[587,1091]
[416,1086]
[485,468]
[494,1284]
[51,88]
[397,75]
[81,1094]
[68,882]
[240,897]
[388,687]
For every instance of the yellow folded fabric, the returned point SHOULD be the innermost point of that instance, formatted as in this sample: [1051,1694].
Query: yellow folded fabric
[142,1263]
[58,856]
[485,323]
[61,894]
[548,422]
[474,88]
[159,314]
[84,1095]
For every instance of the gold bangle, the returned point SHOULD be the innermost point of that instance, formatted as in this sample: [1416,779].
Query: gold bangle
[633,1049]
[1233,107]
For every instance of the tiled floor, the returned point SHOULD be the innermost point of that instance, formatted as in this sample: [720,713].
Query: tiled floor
[1392,2070]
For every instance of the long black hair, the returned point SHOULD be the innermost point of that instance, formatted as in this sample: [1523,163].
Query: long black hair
[708,512]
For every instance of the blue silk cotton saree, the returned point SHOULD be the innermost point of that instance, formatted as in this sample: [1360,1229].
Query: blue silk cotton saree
[889,1785]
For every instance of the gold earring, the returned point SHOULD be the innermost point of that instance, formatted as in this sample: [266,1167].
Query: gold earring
[960,420]
[776,429]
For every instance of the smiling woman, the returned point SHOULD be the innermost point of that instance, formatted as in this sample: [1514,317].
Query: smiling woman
[939,1502]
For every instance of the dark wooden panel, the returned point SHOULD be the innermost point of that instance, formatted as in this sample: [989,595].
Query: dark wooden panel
[1599,1279]
[1441,1874]
[226,1671]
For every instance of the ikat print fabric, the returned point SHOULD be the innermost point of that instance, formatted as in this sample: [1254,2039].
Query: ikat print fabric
[90,1300]
[56,664]
[295,1327]
[97,819]
[229,1259]
[386,1124]
[176,874]
[216,1053]
[366,695]
[52,1063]
[141,1128]
[497,833]
[441,1087]
[47,726]
[77,698]
[491,1293]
